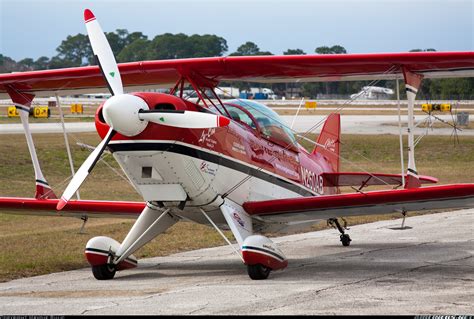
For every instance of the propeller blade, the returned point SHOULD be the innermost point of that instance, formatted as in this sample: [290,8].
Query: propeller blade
[104,53]
[84,170]
[183,119]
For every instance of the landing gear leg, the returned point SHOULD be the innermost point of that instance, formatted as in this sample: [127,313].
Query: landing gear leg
[345,238]
[84,219]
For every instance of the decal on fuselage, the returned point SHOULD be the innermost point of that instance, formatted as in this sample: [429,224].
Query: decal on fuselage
[312,180]
[206,138]
[206,168]
[239,148]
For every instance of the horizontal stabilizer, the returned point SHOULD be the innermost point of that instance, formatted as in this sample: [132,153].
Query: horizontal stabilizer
[368,179]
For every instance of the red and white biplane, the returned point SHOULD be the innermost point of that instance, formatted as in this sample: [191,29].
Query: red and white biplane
[230,164]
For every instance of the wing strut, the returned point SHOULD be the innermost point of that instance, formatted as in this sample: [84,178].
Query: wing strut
[412,84]
[22,101]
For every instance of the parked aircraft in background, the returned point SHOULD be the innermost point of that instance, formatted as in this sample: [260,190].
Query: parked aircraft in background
[373,93]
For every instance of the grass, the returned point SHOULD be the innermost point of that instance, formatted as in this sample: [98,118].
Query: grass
[34,245]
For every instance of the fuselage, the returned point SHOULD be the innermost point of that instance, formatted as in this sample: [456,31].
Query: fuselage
[249,160]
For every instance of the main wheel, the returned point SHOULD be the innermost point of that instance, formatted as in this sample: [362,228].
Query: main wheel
[103,272]
[345,239]
[258,272]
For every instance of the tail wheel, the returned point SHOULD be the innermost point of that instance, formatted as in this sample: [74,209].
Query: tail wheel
[258,272]
[103,272]
[345,239]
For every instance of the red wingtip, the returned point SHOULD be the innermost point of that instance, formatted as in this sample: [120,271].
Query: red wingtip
[88,15]
[62,202]
[223,121]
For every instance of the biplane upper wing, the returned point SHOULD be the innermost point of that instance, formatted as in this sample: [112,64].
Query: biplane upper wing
[209,71]
[367,203]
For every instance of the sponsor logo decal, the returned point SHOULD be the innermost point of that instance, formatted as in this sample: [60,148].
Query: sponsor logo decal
[238,219]
[206,138]
[206,168]
[239,148]
[330,145]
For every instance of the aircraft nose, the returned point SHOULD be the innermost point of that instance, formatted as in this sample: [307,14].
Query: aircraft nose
[121,112]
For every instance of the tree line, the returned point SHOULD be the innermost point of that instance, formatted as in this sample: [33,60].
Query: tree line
[135,46]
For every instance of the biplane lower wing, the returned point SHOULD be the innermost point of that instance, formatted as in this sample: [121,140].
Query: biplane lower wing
[368,203]
[75,208]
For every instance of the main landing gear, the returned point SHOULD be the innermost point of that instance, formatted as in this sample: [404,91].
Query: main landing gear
[345,238]
[103,272]
[258,271]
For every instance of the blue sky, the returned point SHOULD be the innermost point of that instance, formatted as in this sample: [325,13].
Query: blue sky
[35,28]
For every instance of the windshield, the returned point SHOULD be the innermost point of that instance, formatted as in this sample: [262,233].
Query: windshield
[270,123]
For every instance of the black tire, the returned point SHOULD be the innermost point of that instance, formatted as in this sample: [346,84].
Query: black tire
[258,272]
[345,239]
[103,272]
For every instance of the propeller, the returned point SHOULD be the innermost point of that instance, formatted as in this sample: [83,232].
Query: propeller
[127,114]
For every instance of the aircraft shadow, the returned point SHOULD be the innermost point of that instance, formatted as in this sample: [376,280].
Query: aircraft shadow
[434,257]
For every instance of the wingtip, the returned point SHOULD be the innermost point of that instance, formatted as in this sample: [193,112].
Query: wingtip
[88,15]
[62,202]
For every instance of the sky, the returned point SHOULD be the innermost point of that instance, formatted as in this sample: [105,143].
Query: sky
[36,28]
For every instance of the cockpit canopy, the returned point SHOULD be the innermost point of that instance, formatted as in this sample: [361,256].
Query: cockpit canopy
[266,121]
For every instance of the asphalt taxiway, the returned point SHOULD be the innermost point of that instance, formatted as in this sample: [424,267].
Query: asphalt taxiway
[427,268]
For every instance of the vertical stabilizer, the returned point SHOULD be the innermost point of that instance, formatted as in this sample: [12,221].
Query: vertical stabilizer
[329,140]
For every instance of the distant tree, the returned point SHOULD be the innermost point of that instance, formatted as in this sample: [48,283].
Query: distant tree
[7,64]
[424,50]
[42,63]
[26,64]
[58,63]
[206,45]
[121,38]
[168,46]
[249,48]
[335,49]
[177,46]
[323,50]
[138,50]
[75,51]
[294,52]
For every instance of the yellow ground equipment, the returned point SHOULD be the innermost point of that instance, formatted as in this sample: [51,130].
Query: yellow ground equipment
[13,111]
[41,112]
[428,107]
[310,104]
[77,108]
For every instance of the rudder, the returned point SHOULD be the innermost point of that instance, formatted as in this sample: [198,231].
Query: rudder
[330,139]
